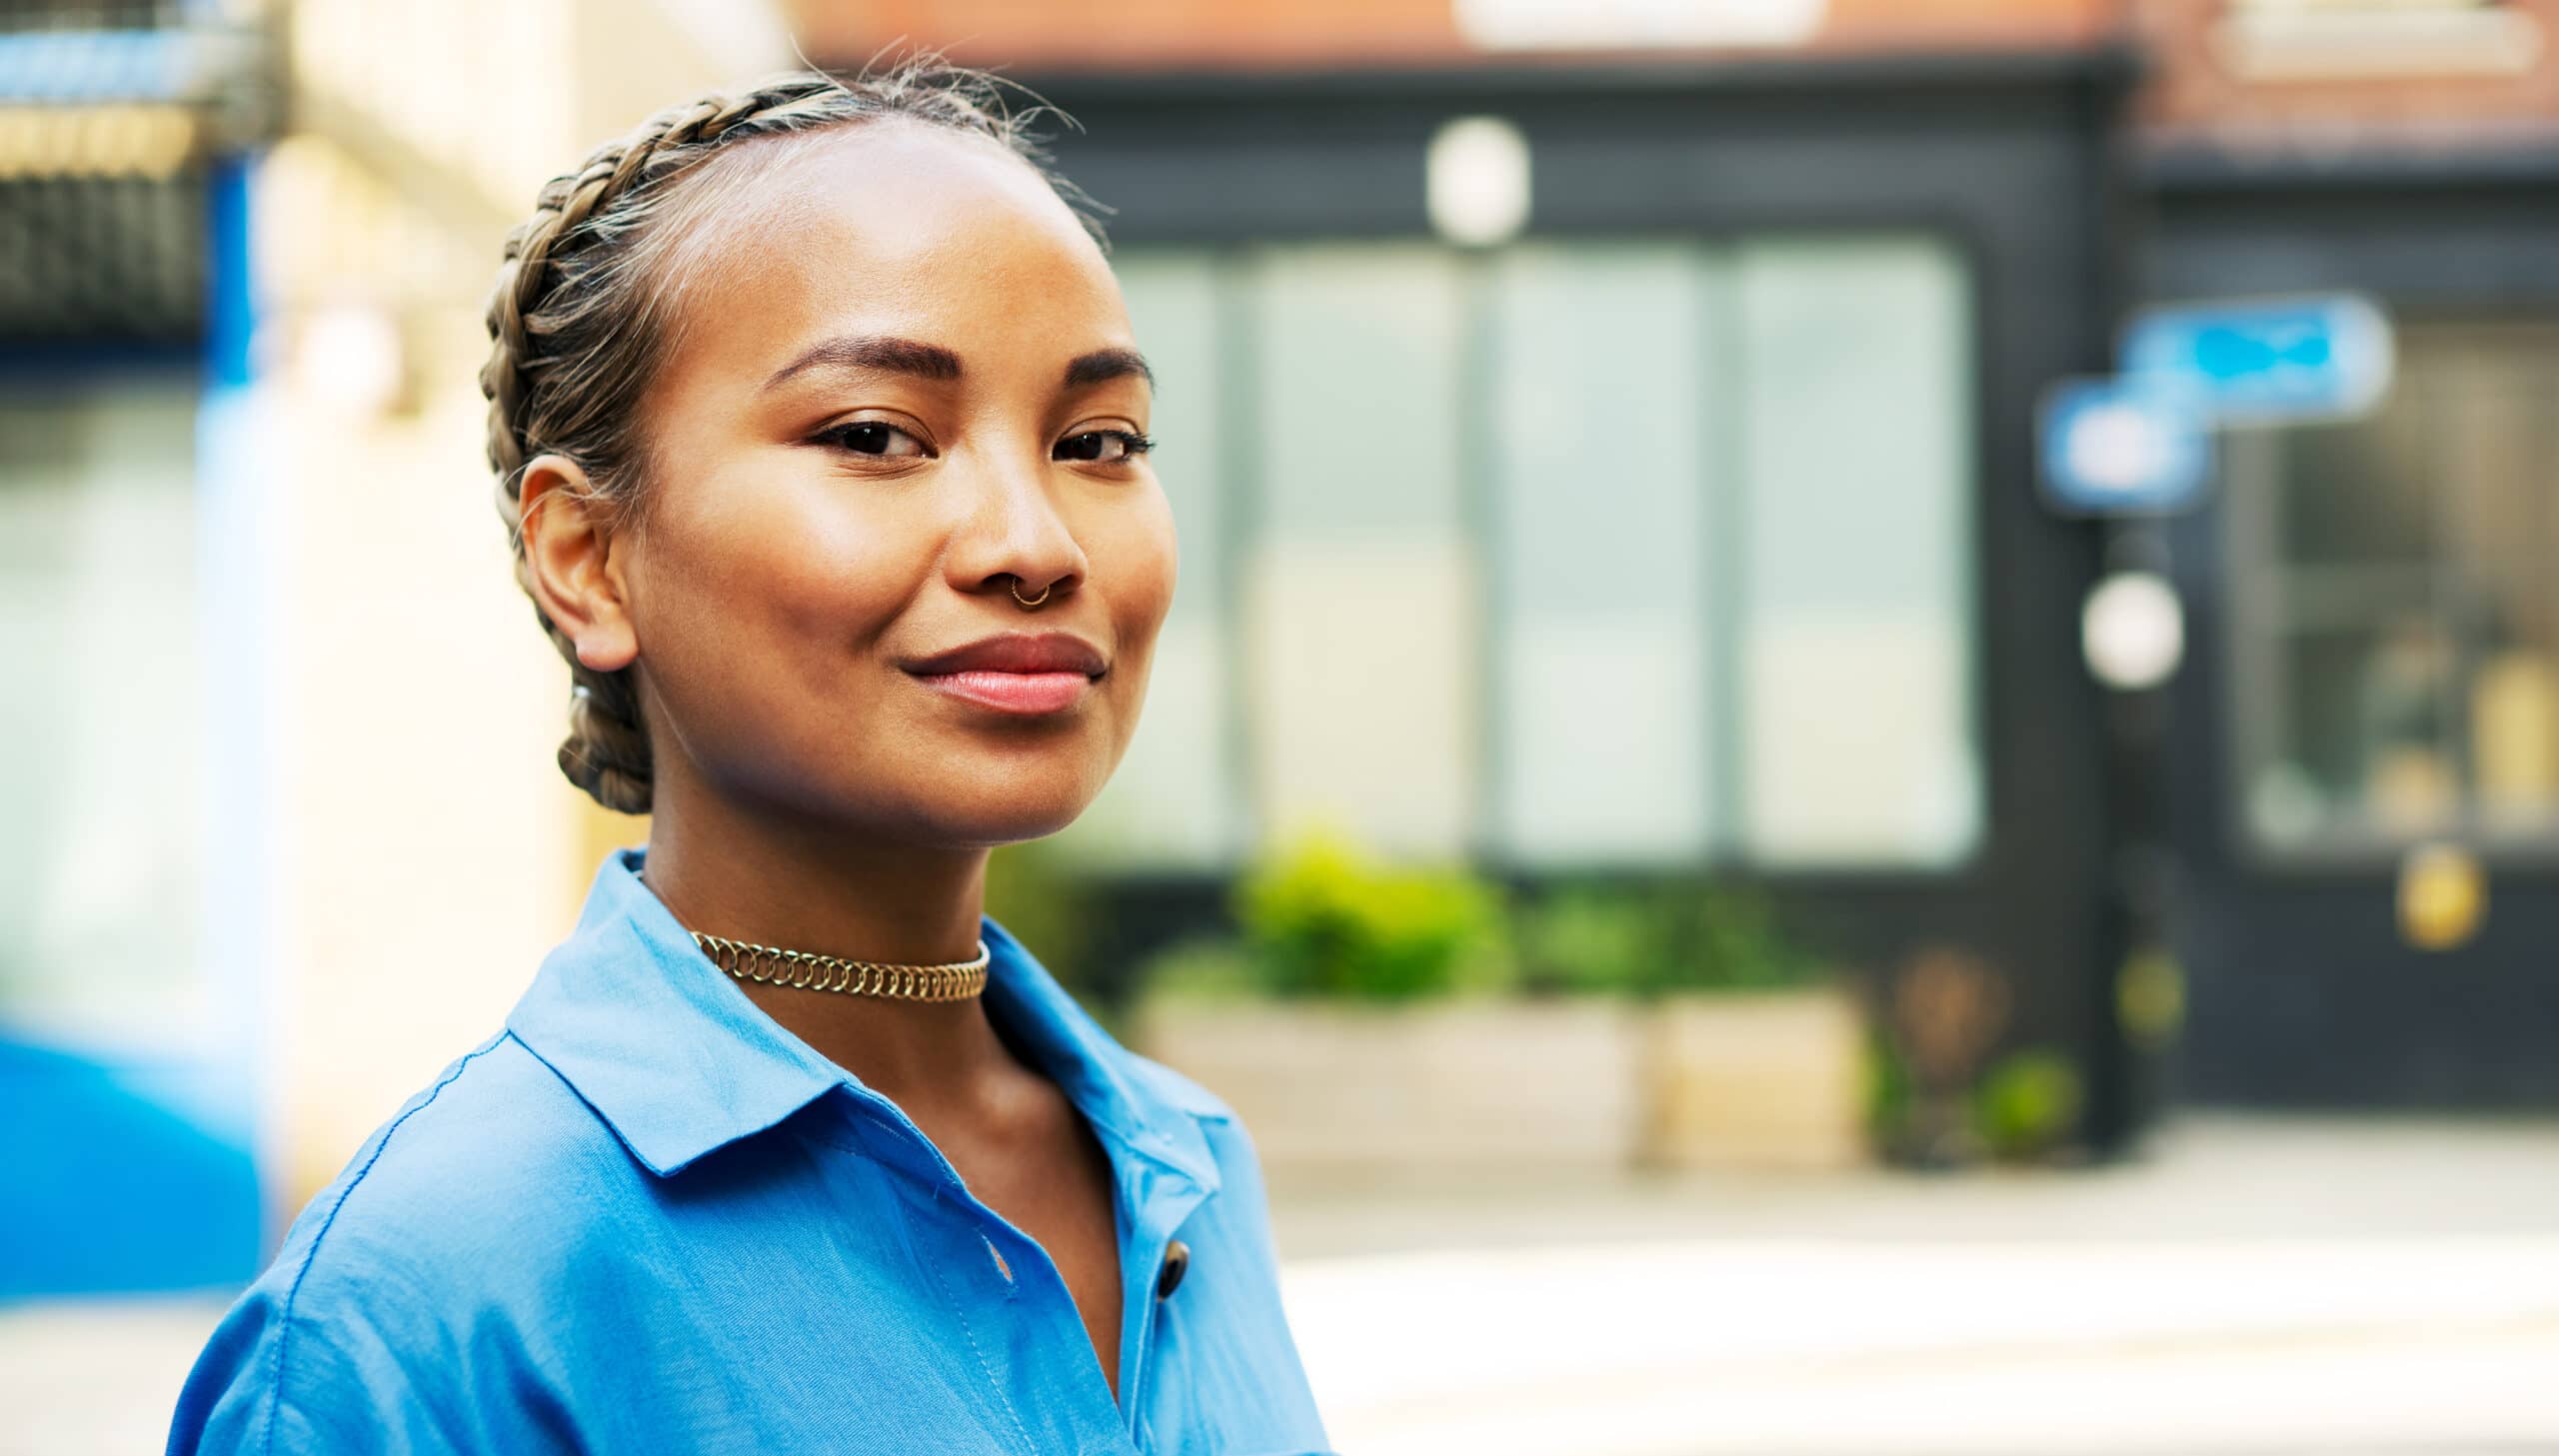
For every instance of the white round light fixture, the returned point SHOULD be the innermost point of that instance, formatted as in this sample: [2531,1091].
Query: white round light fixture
[1477,180]
[2133,631]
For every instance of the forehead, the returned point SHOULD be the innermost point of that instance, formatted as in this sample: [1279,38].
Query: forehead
[884,226]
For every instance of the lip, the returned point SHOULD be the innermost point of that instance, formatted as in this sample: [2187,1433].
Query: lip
[1014,671]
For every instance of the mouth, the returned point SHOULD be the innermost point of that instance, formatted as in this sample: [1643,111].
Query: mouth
[1022,673]
[1026,694]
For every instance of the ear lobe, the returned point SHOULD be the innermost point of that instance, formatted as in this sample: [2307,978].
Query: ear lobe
[575,578]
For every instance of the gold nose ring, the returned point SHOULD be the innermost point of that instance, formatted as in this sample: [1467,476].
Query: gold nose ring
[1030,601]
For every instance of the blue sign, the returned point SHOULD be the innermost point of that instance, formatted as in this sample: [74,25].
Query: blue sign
[2269,360]
[2116,446]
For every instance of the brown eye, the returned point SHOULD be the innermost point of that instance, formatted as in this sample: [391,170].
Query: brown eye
[873,438]
[1105,446]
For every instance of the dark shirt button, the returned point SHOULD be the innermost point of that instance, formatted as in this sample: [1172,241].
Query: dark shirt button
[1177,1262]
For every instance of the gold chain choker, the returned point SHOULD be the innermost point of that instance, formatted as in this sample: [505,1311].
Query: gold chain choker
[809,971]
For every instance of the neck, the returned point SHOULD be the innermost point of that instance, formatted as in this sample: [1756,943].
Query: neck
[811,888]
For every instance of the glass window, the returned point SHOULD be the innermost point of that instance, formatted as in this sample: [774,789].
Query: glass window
[2395,625]
[1854,578]
[1362,624]
[1597,445]
[1579,552]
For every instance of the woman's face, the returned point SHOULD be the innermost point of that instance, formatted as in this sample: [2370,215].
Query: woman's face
[901,376]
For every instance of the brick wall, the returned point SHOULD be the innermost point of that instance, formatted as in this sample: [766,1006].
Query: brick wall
[2366,68]
[1142,34]
[2454,75]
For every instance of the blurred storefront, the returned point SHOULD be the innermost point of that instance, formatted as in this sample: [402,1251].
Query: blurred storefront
[1602,456]
[2376,697]
[1687,515]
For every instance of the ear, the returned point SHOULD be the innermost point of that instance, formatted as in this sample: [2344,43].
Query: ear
[578,578]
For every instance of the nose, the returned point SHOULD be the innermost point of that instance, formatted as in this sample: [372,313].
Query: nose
[1013,537]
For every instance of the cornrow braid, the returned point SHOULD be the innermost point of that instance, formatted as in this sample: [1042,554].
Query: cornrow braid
[579,316]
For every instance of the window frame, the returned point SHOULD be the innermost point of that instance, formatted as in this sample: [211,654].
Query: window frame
[1724,850]
[2258,624]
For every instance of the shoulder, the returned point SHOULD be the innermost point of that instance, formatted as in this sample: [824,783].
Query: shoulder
[492,1175]
[496,1140]
[452,1218]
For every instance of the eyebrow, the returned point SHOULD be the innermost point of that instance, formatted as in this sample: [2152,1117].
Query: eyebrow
[932,361]
[1108,364]
[896,355]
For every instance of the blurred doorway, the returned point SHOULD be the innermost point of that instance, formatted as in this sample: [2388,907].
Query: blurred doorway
[2388,679]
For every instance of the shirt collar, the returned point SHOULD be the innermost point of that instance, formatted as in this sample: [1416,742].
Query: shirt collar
[672,1053]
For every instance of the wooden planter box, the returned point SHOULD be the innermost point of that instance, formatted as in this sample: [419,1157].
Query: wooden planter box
[1487,1091]
[1447,1091]
[1756,1080]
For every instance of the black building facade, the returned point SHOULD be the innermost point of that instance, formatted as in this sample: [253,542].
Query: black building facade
[2010,165]
[2372,613]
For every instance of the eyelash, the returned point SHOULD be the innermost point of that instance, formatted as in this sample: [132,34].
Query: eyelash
[1132,443]
[840,437]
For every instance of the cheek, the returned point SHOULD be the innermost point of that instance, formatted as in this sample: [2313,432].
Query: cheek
[776,574]
[1138,560]
[1136,563]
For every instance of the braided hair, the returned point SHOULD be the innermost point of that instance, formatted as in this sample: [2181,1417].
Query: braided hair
[582,307]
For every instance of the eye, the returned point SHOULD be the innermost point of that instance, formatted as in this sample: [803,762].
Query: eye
[873,437]
[1107,447]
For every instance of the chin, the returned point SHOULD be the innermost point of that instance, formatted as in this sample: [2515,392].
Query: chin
[998,805]
[1014,825]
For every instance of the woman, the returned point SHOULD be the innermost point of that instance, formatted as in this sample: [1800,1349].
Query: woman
[822,438]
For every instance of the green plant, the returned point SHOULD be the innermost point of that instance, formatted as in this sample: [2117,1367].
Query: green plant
[1888,1092]
[2028,1103]
[1632,939]
[1730,937]
[1323,918]
[1587,939]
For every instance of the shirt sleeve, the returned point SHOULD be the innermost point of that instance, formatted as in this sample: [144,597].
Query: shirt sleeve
[296,1371]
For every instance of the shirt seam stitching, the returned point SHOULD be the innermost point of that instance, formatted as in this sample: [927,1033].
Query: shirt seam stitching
[970,1334]
[284,1321]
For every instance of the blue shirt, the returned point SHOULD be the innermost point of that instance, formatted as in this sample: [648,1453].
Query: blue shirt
[644,1217]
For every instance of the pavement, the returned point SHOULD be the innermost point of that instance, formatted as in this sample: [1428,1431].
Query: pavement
[2271,1287]
[2247,1287]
